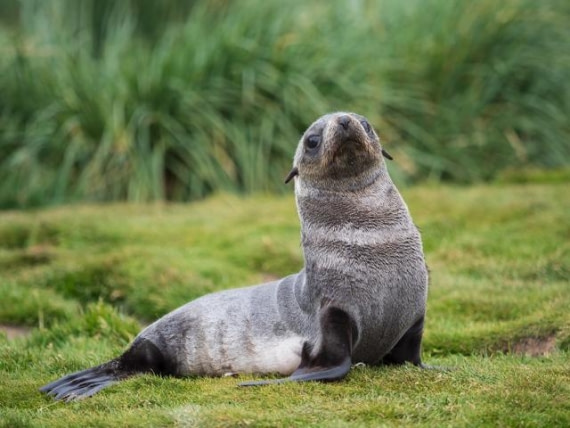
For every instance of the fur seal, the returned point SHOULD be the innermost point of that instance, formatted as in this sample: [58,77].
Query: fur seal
[361,296]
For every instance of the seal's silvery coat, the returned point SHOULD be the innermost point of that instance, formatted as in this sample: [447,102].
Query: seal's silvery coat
[360,297]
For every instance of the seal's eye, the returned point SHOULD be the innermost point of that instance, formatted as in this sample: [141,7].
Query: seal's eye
[366,126]
[313,141]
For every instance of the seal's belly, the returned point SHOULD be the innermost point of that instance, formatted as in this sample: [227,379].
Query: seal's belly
[273,356]
[255,355]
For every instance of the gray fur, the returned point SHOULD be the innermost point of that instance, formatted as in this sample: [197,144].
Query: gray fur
[362,254]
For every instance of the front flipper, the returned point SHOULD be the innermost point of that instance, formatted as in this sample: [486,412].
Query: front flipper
[408,348]
[332,360]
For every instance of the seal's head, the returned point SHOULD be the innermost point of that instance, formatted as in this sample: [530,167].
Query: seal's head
[339,150]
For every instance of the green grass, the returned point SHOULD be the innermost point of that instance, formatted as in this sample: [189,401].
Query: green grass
[147,101]
[87,277]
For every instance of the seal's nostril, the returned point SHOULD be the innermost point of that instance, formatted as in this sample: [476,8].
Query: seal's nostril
[344,121]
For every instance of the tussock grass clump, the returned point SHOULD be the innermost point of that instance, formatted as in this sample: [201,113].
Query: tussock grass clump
[103,101]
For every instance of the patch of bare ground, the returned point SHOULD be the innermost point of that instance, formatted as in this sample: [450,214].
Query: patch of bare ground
[534,346]
[14,331]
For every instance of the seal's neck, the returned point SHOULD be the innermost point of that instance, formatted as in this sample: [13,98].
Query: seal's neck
[372,204]
[358,183]
[343,230]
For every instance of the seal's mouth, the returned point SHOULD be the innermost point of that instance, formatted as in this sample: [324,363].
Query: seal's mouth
[350,146]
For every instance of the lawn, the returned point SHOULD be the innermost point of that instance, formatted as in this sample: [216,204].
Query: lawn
[84,279]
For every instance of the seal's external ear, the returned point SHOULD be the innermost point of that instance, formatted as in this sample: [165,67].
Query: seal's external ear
[387,155]
[291,174]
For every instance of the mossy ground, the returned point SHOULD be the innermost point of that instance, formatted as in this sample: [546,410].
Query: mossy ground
[87,277]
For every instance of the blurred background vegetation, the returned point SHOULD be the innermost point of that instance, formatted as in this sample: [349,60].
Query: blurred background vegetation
[144,100]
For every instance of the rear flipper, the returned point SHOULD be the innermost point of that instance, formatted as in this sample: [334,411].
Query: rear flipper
[142,357]
[84,383]
[333,359]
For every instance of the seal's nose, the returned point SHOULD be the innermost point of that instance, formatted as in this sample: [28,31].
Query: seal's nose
[344,121]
